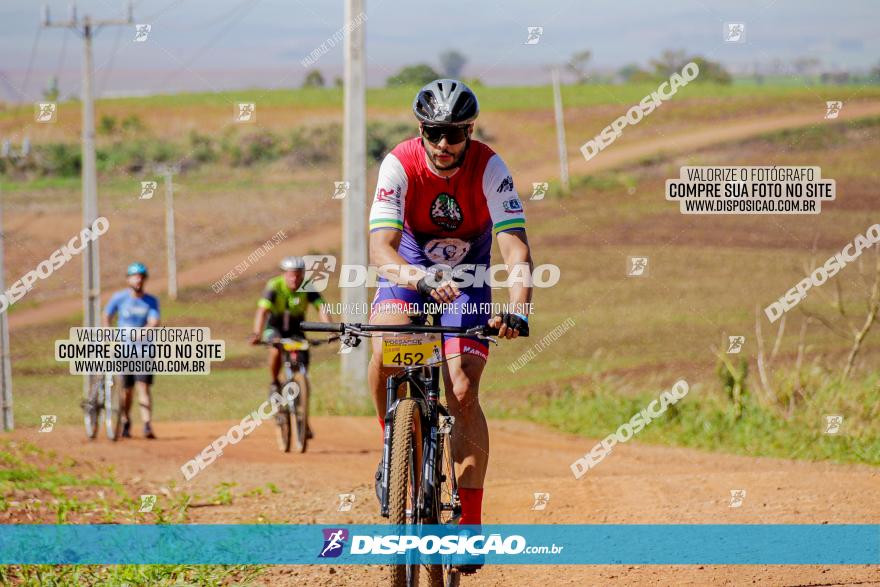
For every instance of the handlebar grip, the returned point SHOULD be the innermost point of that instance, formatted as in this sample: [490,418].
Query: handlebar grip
[489,331]
[321,326]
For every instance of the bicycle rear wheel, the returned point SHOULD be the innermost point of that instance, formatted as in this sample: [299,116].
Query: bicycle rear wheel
[300,410]
[404,480]
[91,405]
[112,407]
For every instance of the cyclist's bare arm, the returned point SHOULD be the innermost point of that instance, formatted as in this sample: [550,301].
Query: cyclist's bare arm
[393,267]
[324,314]
[515,251]
[259,321]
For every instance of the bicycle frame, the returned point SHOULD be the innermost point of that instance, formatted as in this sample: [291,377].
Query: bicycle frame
[424,388]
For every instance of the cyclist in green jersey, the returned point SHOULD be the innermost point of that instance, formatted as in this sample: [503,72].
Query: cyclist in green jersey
[281,310]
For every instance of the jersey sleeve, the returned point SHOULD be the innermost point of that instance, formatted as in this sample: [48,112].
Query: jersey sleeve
[388,202]
[153,312]
[267,300]
[112,306]
[505,207]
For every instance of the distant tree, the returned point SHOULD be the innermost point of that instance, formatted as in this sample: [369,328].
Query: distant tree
[711,71]
[413,75]
[452,63]
[669,62]
[875,73]
[806,65]
[633,73]
[578,65]
[51,92]
[314,79]
[337,81]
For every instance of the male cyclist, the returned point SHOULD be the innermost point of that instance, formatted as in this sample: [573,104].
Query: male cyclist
[440,198]
[284,303]
[135,309]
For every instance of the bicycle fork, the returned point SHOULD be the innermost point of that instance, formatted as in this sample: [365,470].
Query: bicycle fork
[426,392]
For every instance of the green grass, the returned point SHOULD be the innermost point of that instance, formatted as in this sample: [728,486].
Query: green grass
[129,575]
[704,418]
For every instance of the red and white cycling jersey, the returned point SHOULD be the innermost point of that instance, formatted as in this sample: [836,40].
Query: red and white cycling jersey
[445,219]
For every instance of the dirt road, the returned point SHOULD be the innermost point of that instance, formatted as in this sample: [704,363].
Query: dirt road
[636,484]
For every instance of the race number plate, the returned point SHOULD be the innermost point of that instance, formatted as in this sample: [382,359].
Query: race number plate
[408,350]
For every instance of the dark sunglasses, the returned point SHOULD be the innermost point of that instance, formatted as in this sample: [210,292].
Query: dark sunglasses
[453,134]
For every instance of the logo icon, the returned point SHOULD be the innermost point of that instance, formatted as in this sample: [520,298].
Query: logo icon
[148,189]
[535,33]
[47,423]
[637,266]
[45,112]
[833,424]
[448,251]
[318,270]
[346,501]
[342,188]
[734,32]
[506,185]
[737,496]
[541,501]
[539,190]
[512,206]
[833,108]
[446,424]
[246,112]
[141,32]
[147,503]
[735,344]
[334,542]
[445,212]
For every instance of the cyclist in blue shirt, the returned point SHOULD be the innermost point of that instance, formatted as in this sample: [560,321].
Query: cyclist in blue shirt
[135,309]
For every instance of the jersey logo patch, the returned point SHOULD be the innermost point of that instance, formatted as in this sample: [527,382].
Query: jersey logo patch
[445,212]
[506,185]
[447,251]
[512,206]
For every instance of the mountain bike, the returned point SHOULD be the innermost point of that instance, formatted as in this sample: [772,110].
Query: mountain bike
[418,484]
[295,391]
[104,396]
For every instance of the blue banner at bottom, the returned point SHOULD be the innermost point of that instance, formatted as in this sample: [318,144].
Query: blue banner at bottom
[742,544]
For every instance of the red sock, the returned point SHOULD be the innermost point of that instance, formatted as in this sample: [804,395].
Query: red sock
[471,505]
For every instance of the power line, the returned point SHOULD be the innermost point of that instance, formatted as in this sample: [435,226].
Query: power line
[243,8]
[108,65]
[27,75]
[62,55]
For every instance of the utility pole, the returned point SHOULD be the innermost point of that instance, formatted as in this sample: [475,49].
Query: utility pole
[86,28]
[5,362]
[354,163]
[560,133]
[169,230]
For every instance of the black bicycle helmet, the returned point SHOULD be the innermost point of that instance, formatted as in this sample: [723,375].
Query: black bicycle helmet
[446,101]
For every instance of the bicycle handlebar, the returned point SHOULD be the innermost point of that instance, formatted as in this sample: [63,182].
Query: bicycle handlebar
[353,328]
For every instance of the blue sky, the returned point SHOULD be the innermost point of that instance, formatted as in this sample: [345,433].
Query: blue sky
[213,44]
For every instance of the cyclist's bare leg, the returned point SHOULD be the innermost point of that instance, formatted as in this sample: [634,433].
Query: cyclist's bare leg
[274,364]
[470,434]
[376,374]
[144,400]
[126,403]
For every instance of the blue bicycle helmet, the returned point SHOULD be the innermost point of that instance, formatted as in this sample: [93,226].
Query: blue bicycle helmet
[137,268]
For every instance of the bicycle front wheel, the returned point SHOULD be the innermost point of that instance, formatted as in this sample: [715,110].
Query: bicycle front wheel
[112,407]
[300,412]
[404,482]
